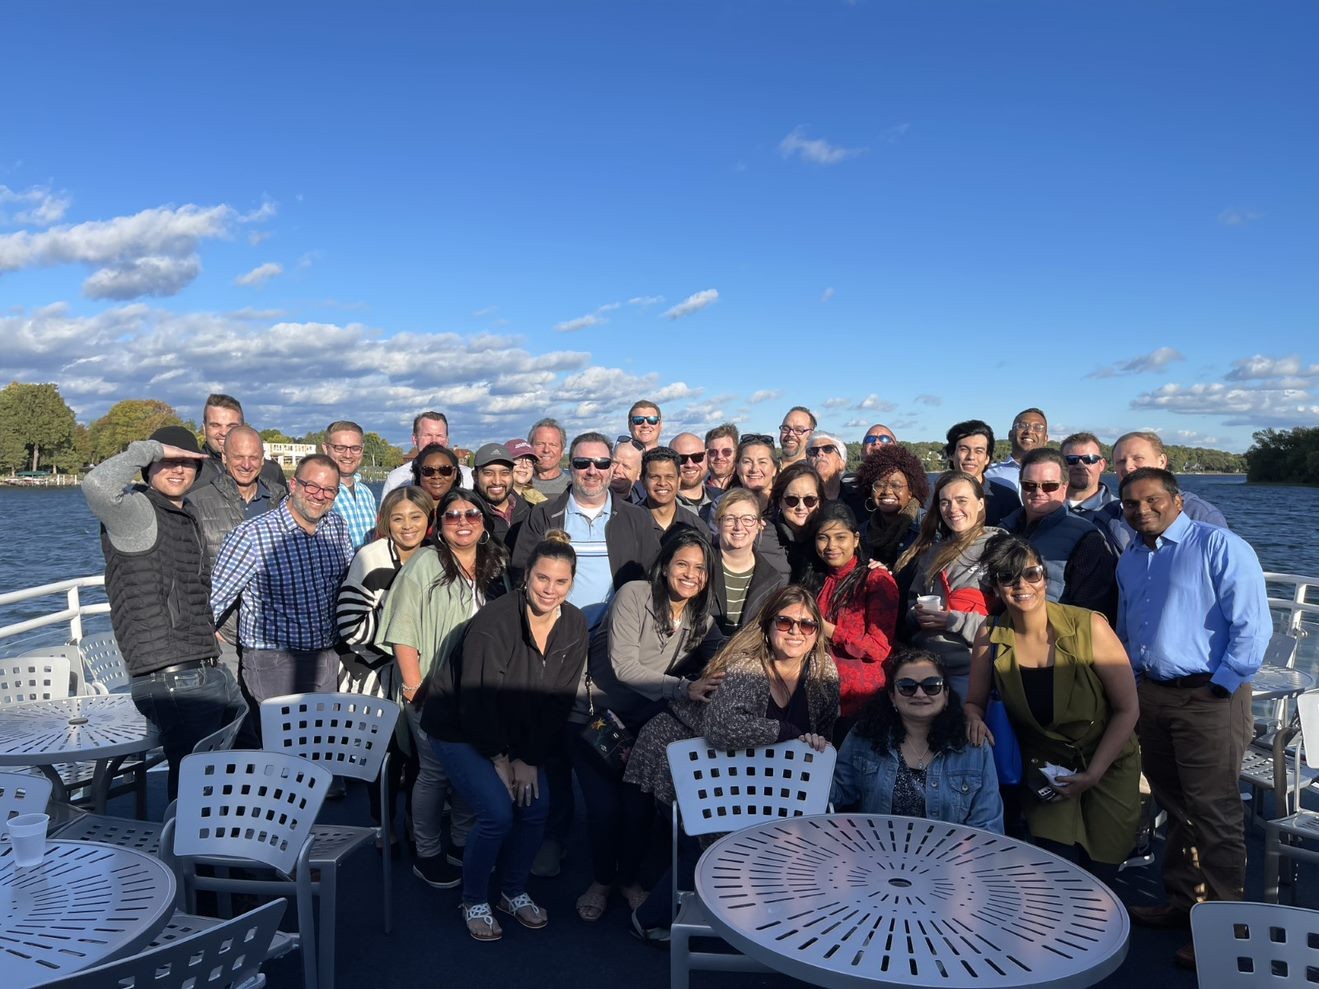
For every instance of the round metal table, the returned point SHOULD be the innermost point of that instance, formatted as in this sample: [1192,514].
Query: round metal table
[864,900]
[1274,683]
[85,904]
[99,727]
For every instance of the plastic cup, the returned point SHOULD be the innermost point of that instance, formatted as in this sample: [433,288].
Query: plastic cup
[929,602]
[27,833]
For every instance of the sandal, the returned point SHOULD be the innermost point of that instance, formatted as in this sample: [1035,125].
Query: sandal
[592,904]
[524,910]
[635,896]
[480,922]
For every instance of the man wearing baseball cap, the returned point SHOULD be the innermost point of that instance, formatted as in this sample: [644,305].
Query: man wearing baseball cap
[494,486]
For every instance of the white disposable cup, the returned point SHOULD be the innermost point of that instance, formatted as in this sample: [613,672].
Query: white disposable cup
[27,833]
[929,602]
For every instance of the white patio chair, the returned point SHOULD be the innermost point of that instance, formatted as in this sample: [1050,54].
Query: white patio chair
[21,794]
[1244,945]
[719,791]
[103,666]
[33,678]
[1283,835]
[349,735]
[244,810]
[226,955]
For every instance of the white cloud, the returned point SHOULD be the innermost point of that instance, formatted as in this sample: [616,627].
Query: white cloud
[764,395]
[645,300]
[1152,361]
[485,311]
[1238,217]
[873,402]
[1240,405]
[693,303]
[37,205]
[153,252]
[580,323]
[609,307]
[261,273]
[827,294]
[837,403]
[816,150]
[1260,368]
[259,237]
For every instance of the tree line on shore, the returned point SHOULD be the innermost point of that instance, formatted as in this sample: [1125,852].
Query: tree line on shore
[39,432]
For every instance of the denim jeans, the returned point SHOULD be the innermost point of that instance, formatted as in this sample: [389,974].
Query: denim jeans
[429,792]
[186,707]
[619,816]
[271,673]
[501,826]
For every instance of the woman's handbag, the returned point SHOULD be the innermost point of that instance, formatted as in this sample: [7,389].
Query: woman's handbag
[606,735]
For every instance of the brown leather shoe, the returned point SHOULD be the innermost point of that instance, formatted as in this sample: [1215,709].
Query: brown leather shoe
[1185,956]
[1168,918]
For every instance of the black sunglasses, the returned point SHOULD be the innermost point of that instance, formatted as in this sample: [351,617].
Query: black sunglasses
[445,471]
[808,626]
[762,438]
[649,420]
[600,463]
[872,440]
[1032,575]
[815,451]
[692,458]
[792,501]
[932,686]
[1089,459]
[634,443]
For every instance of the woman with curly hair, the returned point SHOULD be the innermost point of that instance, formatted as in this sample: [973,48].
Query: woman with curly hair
[895,488]
[908,753]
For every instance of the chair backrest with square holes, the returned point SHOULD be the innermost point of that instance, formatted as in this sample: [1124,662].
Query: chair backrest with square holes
[247,804]
[1254,944]
[21,794]
[348,734]
[33,678]
[723,791]
[103,666]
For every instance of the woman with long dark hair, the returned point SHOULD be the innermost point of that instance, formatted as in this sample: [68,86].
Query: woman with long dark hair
[858,605]
[908,753]
[438,591]
[798,493]
[945,601]
[650,650]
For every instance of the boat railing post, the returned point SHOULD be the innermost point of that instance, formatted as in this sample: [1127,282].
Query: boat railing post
[75,619]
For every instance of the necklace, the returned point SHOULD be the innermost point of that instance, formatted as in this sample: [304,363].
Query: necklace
[921,759]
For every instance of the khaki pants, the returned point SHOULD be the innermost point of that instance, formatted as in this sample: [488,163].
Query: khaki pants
[1190,748]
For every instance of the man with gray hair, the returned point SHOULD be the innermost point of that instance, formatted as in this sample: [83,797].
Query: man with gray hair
[548,439]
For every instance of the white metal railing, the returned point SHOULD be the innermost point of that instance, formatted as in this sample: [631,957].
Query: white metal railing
[73,613]
[1296,598]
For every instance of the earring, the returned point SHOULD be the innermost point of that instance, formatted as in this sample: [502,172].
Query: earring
[485,538]
[870,505]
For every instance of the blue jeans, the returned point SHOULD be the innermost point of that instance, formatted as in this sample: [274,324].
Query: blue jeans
[501,826]
[186,707]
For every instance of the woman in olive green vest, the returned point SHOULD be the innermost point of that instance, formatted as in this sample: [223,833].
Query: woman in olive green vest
[1071,696]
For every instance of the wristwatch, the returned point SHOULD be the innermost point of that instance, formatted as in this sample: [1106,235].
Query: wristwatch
[1219,691]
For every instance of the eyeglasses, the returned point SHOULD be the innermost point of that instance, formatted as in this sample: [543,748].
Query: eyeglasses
[891,486]
[746,521]
[600,463]
[872,440]
[648,420]
[1048,487]
[1089,459]
[692,458]
[792,501]
[454,516]
[807,626]
[636,444]
[1031,575]
[816,451]
[343,448]
[444,470]
[1029,427]
[719,454]
[317,490]
[794,430]
[932,686]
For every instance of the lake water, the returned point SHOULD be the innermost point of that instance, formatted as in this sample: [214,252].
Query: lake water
[49,534]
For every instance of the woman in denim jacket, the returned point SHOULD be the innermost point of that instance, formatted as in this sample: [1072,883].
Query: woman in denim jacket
[908,754]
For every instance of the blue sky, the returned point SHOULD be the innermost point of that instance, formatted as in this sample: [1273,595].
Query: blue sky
[910,213]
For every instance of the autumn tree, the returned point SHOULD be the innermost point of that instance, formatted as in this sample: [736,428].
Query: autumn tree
[131,419]
[35,425]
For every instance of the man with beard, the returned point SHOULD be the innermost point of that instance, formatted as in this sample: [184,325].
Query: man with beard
[494,486]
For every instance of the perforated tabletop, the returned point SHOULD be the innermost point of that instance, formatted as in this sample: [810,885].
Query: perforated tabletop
[864,900]
[73,729]
[85,904]
[1274,683]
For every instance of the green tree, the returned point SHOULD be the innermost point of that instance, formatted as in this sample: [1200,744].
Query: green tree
[129,420]
[275,436]
[379,452]
[35,425]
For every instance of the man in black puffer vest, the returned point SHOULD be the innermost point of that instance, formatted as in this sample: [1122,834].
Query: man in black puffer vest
[158,580]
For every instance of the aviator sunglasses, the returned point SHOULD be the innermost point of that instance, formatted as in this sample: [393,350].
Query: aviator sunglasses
[1048,487]
[1032,575]
[932,686]
[454,516]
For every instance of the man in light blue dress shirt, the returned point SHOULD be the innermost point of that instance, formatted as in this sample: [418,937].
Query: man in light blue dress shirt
[1194,617]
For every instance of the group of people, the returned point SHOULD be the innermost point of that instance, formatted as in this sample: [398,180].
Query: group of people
[741,587]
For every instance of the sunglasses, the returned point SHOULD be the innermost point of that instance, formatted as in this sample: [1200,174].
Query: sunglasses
[444,471]
[931,686]
[752,438]
[634,443]
[692,458]
[792,501]
[815,451]
[807,626]
[1048,487]
[1031,575]
[648,420]
[872,440]
[454,516]
[1089,459]
[718,453]
[600,463]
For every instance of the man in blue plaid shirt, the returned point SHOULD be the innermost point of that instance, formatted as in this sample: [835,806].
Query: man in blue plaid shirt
[283,570]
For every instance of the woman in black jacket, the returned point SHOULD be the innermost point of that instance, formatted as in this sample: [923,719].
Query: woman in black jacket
[741,579]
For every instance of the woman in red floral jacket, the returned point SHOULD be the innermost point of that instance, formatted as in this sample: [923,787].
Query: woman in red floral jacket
[859,604]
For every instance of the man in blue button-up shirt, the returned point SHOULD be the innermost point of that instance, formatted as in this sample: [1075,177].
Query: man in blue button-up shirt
[1194,618]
